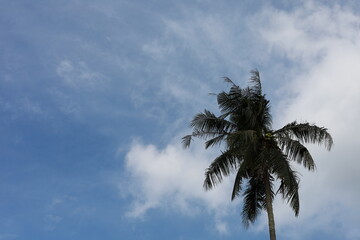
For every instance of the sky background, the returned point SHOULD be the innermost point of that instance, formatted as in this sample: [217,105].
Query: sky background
[96,95]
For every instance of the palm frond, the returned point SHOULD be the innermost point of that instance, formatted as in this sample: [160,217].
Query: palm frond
[234,100]
[289,189]
[216,140]
[289,180]
[254,198]
[297,152]
[244,138]
[221,166]
[306,133]
[245,108]
[235,91]
[271,179]
[242,173]
[255,79]
[264,118]
[207,134]
[228,80]
[294,201]
[228,103]
[186,141]
[208,122]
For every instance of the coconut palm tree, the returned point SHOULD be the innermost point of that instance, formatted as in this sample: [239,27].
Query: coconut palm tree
[256,153]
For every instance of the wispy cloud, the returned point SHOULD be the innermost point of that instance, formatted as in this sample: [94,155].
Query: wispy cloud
[51,221]
[23,107]
[79,76]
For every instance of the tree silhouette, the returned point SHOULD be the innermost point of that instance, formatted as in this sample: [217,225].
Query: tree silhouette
[256,153]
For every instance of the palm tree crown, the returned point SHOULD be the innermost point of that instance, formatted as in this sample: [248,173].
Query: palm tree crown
[256,153]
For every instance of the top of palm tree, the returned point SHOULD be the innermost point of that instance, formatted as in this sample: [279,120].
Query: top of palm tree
[252,149]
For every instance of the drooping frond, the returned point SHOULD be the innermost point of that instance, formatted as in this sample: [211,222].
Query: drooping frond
[306,133]
[294,201]
[297,152]
[289,181]
[221,166]
[289,188]
[186,141]
[242,173]
[254,198]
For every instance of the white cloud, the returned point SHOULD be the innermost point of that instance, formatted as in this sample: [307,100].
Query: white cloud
[171,178]
[60,200]
[23,106]
[82,91]
[222,227]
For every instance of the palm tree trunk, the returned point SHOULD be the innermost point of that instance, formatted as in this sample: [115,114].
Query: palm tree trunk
[269,208]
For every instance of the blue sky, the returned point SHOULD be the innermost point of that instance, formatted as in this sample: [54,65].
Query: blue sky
[96,95]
